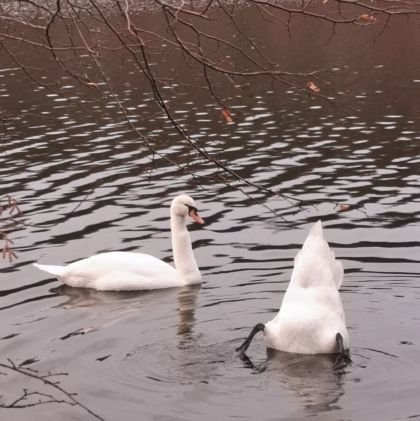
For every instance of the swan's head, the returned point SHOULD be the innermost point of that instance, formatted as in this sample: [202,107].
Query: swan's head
[184,205]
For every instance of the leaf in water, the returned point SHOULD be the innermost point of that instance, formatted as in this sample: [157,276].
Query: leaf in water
[92,84]
[343,207]
[311,85]
[368,19]
[227,115]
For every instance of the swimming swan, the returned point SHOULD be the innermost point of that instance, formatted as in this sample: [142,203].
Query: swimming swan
[311,318]
[118,271]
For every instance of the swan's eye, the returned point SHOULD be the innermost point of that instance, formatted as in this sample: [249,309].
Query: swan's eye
[192,209]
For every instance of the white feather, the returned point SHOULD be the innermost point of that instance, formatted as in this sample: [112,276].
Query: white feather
[120,271]
[311,313]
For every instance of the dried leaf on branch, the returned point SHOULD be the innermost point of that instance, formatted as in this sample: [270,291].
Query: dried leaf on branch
[314,88]
[227,115]
[343,207]
[368,19]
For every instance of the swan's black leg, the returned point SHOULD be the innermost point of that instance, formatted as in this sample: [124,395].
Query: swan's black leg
[242,349]
[343,357]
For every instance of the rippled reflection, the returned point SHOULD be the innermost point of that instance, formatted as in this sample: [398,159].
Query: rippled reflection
[88,183]
[311,378]
[187,301]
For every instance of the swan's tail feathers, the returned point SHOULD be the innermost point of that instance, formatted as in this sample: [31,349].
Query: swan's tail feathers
[315,264]
[51,269]
[339,273]
[316,230]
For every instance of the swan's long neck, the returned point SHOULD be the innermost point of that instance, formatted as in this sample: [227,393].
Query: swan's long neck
[184,259]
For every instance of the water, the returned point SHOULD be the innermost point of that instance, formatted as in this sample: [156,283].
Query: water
[86,183]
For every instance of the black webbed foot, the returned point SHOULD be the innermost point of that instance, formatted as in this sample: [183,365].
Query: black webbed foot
[343,355]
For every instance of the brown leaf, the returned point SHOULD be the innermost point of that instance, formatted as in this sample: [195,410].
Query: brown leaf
[227,115]
[367,18]
[343,207]
[93,85]
[311,85]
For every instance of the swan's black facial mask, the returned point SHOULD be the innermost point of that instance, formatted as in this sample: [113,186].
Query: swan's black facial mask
[192,209]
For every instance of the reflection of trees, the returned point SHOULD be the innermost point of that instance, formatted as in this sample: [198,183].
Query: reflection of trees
[212,46]
[210,39]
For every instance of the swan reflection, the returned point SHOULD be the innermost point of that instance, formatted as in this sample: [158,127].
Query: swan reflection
[187,300]
[312,378]
[86,297]
[128,301]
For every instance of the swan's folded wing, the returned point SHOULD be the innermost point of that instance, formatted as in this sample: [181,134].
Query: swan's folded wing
[120,280]
[117,271]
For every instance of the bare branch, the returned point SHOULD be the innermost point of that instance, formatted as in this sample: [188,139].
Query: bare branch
[34,398]
[77,37]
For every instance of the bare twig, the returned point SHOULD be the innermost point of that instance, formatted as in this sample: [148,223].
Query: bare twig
[34,398]
[89,30]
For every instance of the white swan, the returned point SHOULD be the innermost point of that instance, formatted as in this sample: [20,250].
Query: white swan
[118,271]
[311,318]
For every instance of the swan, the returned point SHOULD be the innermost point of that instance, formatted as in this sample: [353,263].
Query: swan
[124,271]
[311,318]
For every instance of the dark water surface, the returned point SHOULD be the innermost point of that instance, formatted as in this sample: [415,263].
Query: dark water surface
[169,355]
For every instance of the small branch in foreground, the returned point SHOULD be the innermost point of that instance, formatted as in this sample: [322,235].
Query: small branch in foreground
[30,398]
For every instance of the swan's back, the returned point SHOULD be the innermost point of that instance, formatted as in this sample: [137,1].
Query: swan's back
[116,271]
[315,264]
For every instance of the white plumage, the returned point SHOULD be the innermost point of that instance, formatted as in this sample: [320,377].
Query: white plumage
[120,271]
[311,318]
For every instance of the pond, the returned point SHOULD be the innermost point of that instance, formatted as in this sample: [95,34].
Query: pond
[87,184]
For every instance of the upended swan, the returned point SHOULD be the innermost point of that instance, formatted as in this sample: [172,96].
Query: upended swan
[119,271]
[311,318]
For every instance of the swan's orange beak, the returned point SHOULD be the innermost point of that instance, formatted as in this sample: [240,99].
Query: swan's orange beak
[195,216]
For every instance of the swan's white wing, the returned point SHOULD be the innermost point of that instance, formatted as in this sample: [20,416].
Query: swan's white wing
[117,271]
[120,280]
